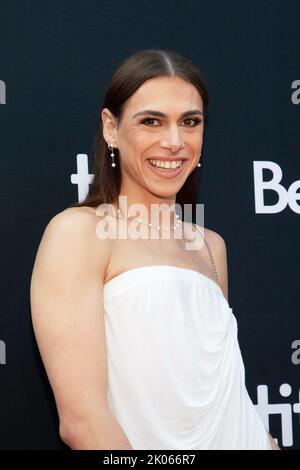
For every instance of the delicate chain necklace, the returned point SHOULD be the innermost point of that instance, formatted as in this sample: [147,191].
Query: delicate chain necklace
[150,225]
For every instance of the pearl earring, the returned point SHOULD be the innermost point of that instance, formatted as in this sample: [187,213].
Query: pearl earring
[199,164]
[112,154]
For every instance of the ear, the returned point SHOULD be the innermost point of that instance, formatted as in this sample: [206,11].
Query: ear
[109,124]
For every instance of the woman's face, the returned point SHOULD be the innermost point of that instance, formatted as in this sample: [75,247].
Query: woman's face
[142,137]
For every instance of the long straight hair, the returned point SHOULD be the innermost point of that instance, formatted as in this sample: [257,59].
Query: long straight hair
[129,76]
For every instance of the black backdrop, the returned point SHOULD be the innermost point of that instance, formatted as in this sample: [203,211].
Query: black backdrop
[55,61]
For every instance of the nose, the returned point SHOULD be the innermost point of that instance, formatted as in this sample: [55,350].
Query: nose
[173,139]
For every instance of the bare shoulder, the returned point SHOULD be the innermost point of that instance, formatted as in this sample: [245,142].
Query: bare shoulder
[218,249]
[84,216]
[215,239]
[74,231]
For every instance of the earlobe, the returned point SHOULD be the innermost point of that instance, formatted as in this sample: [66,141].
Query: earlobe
[114,137]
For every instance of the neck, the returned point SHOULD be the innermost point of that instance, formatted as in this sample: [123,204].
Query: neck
[148,210]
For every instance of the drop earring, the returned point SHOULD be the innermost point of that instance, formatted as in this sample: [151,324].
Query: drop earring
[199,164]
[112,154]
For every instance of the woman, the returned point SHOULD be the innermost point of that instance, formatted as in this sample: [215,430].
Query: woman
[136,335]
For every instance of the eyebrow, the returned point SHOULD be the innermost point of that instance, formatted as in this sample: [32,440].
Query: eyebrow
[160,114]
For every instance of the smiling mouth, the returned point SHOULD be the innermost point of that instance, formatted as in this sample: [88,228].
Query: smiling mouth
[166,173]
[166,165]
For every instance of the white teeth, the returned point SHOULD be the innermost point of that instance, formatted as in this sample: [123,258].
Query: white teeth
[166,164]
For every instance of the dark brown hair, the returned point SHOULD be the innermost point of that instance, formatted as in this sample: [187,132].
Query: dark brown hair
[129,76]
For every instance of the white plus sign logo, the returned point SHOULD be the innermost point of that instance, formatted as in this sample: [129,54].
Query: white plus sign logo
[82,178]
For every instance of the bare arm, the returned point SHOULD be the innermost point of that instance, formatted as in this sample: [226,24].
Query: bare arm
[68,321]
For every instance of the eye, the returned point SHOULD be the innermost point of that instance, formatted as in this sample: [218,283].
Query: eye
[144,121]
[196,121]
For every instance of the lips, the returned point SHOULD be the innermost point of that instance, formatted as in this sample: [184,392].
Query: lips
[166,173]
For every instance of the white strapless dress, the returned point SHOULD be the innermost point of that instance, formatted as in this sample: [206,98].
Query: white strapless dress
[176,378]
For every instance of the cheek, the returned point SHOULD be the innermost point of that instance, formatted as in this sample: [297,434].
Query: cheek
[197,144]
[135,143]
[132,156]
[134,149]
